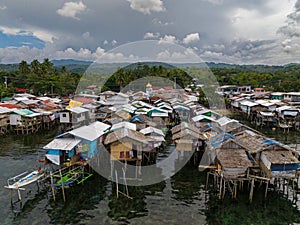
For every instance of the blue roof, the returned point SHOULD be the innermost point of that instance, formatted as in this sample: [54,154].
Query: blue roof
[138,119]
[220,138]
[270,142]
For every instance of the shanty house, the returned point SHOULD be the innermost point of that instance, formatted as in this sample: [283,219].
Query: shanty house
[232,160]
[126,144]
[278,161]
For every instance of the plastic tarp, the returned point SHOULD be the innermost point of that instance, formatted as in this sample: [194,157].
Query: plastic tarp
[53,158]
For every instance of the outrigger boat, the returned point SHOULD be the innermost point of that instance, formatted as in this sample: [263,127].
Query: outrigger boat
[72,178]
[23,179]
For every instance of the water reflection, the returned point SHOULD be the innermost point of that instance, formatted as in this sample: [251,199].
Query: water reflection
[178,200]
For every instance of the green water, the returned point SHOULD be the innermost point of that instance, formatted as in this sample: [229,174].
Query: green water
[182,199]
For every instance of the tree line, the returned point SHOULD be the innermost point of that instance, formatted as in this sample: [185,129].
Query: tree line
[38,78]
[41,78]
[282,79]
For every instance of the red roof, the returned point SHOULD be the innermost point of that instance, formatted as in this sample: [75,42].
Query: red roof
[50,104]
[83,100]
[21,90]
[10,106]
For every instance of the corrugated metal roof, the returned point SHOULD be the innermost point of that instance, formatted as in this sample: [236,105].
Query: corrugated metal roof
[149,130]
[23,112]
[128,125]
[91,132]
[30,102]
[66,144]
[202,117]
[99,126]
[4,110]
[78,110]
[156,114]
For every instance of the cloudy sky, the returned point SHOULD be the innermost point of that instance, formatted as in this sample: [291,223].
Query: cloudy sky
[231,31]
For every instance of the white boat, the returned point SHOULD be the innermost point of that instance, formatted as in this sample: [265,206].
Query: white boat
[23,179]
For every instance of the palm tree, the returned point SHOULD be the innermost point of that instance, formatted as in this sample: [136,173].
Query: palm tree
[24,67]
[35,66]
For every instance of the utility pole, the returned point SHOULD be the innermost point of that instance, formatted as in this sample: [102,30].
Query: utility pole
[5,82]
[175,83]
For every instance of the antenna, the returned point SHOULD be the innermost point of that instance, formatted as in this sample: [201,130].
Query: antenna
[5,82]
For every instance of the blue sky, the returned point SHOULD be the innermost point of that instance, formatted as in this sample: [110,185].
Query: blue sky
[8,41]
[230,31]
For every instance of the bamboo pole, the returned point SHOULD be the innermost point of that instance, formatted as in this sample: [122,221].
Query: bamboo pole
[125,182]
[52,185]
[10,195]
[224,188]
[220,192]
[207,177]
[117,184]
[266,191]
[62,186]
[251,191]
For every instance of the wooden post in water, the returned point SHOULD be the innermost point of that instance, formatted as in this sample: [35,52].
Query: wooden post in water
[117,184]
[62,186]
[125,182]
[19,193]
[251,191]
[266,191]
[207,177]
[293,186]
[235,190]
[220,192]
[287,187]
[52,186]
[10,195]
[224,188]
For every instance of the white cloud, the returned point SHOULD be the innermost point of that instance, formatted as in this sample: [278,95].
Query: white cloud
[167,39]
[150,35]
[71,9]
[114,42]
[86,35]
[186,55]
[41,34]
[147,6]
[156,21]
[17,54]
[3,7]
[259,24]
[193,37]
[13,31]
[215,2]
[44,35]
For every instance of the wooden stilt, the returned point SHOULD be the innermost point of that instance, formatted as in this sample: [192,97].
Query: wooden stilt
[220,192]
[125,182]
[251,191]
[215,180]
[52,186]
[207,177]
[10,195]
[235,190]
[293,187]
[62,186]
[117,184]
[19,195]
[287,187]
[224,188]
[266,191]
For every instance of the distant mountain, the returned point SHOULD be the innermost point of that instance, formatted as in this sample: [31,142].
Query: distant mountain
[150,64]
[80,66]
[66,62]
[8,67]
